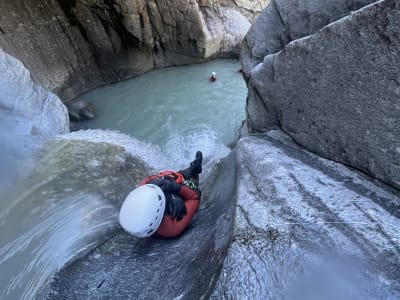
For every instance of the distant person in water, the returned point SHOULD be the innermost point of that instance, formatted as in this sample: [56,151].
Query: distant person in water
[213,76]
[163,204]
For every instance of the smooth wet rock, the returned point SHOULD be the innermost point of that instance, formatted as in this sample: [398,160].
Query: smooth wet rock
[337,91]
[308,228]
[28,115]
[73,46]
[26,108]
[63,208]
[186,267]
[79,110]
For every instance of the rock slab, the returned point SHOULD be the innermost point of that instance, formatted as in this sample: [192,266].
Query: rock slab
[337,92]
[308,228]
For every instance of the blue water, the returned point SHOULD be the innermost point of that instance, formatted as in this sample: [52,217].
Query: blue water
[176,107]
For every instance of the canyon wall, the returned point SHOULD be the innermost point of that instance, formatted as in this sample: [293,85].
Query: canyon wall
[73,46]
[335,92]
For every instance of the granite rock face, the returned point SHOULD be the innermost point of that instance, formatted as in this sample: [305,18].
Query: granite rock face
[308,228]
[286,20]
[186,267]
[250,9]
[73,46]
[337,92]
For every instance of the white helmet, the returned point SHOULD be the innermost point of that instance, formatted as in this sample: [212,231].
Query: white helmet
[142,211]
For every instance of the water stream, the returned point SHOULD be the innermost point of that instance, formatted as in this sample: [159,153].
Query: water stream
[65,206]
[178,108]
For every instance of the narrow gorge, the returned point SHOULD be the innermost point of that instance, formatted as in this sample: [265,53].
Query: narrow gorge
[300,200]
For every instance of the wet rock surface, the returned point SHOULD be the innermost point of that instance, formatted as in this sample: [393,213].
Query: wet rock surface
[186,267]
[28,115]
[336,92]
[62,209]
[26,108]
[308,228]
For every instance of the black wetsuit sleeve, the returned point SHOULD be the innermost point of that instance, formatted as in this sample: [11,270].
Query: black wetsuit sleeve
[166,185]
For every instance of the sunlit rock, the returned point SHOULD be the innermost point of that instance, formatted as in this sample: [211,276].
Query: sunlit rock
[308,228]
[28,114]
[336,92]
[26,108]
[286,20]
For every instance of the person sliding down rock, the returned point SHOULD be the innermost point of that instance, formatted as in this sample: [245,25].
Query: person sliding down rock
[163,204]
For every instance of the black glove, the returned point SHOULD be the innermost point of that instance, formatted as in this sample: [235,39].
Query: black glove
[168,186]
[175,207]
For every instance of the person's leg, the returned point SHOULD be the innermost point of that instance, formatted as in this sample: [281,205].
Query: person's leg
[187,173]
[195,168]
[195,179]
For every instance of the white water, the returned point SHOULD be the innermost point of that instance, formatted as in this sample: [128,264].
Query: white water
[52,217]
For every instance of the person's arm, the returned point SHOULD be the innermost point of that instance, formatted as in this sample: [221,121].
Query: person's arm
[168,186]
[147,179]
[171,228]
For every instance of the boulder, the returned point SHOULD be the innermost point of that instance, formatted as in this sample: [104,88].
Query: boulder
[79,110]
[308,228]
[73,46]
[336,92]
[186,267]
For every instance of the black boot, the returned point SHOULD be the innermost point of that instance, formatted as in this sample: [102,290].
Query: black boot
[196,164]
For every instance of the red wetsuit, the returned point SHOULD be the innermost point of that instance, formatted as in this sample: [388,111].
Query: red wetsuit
[170,227]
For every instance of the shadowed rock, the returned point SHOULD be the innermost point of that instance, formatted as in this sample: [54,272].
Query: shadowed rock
[309,228]
[182,268]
